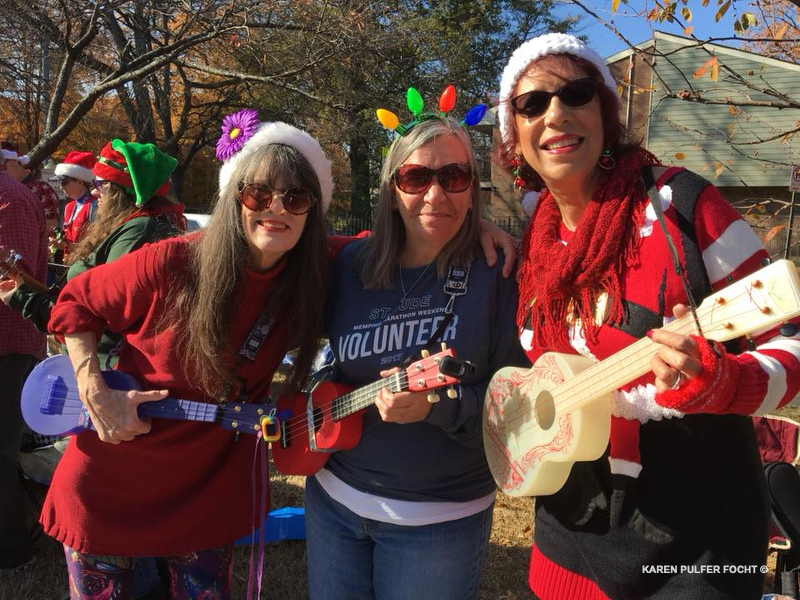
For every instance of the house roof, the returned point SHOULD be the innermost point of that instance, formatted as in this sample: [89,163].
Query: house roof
[717,48]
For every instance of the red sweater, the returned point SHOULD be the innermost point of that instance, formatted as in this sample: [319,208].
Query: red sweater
[184,486]
[701,479]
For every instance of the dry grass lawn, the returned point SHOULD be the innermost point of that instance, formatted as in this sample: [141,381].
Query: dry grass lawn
[504,577]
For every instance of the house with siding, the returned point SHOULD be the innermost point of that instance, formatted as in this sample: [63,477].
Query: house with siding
[743,150]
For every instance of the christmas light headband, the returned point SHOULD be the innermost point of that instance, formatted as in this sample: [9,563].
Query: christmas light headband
[447,102]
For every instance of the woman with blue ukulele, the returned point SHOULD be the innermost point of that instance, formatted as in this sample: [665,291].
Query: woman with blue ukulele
[209,318]
[407,512]
[675,508]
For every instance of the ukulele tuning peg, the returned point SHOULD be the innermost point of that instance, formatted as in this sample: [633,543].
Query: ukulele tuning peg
[425,354]
[433,398]
[452,393]
[444,346]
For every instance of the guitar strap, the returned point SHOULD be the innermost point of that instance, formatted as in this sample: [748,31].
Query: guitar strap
[249,351]
[655,201]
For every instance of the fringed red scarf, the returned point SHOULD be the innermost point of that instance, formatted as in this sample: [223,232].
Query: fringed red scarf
[558,282]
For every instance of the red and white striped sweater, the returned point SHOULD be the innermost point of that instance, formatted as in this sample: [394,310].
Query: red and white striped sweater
[687,462]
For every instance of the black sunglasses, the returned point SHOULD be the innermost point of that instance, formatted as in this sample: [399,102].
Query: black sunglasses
[415,179]
[578,92]
[258,197]
[100,183]
[65,180]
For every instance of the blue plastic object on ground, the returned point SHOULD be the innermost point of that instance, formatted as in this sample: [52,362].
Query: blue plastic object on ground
[282,524]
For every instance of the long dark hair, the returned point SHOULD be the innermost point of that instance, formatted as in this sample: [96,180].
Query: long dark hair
[117,206]
[205,304]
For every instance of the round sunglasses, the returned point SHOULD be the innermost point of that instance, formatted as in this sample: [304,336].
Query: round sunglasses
[258,197]
[416,179]
[578,92]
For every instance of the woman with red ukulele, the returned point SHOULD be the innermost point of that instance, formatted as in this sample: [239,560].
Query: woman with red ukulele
[408,511]
[209,318]
[681,485]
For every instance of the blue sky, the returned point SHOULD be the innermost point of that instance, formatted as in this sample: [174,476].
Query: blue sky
[637,29]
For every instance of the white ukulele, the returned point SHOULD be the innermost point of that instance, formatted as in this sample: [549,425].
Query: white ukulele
[537,422]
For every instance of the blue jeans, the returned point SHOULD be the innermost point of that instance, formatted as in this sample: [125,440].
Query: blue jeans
[351,558]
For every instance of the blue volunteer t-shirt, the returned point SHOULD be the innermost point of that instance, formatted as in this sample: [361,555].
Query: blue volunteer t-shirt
[441,458]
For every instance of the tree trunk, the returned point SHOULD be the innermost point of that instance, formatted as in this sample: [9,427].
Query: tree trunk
[359,173]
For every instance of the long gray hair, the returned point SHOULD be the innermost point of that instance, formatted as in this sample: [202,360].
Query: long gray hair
[380,256]
[205,304]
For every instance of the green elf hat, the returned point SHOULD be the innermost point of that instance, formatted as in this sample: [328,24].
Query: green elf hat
[142,169]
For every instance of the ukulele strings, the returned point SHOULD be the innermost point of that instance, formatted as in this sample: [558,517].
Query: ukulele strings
[294,426]
[642,349]
[363,397]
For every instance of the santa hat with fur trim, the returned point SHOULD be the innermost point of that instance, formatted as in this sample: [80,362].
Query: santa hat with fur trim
[78,165]
[549,43]
[12,155]
[243,134]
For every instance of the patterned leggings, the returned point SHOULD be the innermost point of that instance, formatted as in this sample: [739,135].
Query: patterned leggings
[205,575]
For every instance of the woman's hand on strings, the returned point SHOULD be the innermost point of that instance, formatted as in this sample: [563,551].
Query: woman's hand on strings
[114,412]
[7,288]
[678,358]
[402,407]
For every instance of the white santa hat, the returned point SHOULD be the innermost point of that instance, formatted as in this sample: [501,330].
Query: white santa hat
[11,155]
[549,43]
[276,132]
[77,164]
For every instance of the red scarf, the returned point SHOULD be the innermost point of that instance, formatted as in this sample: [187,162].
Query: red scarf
[161,206]
[566,280]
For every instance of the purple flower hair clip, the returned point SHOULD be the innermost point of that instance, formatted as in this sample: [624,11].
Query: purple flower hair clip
[237,128]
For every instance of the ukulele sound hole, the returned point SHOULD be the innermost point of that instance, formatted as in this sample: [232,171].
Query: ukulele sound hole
[545,410]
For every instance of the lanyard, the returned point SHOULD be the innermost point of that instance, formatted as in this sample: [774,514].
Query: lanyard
[455,286]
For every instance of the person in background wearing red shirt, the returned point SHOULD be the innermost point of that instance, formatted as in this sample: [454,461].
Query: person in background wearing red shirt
[22,228]
[209,318]
[76,177]
[17,166]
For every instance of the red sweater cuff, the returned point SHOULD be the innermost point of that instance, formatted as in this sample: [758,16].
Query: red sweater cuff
[713,390]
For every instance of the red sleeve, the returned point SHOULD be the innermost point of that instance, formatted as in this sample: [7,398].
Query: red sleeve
[769,376]
[337,242]
[117,295]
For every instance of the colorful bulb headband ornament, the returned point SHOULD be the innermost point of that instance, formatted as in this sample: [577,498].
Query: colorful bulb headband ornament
[415,104]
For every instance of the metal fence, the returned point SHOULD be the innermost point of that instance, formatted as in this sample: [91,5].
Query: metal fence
[348,224]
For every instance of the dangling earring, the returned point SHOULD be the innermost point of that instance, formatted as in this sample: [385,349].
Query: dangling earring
[606,160]
[517,162]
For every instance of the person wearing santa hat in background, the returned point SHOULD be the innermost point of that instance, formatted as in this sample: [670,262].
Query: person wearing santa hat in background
[76,177]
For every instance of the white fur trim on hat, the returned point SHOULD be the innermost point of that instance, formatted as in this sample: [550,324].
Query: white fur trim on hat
[283,133]
[11,155]
[75,171]
[529,202]
[549,43]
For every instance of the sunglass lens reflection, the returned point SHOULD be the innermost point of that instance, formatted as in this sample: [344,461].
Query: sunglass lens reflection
[574,94]
[259,197]
[415,179]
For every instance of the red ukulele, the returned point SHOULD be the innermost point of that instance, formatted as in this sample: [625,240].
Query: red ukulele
[330,417]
